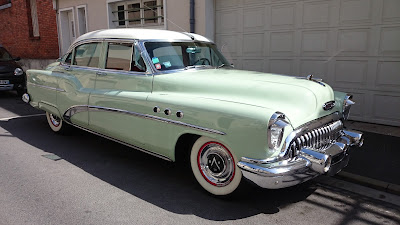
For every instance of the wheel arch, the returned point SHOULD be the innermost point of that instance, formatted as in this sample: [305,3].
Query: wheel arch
[183,147]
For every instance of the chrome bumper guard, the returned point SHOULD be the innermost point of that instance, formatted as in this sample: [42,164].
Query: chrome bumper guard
[306,165]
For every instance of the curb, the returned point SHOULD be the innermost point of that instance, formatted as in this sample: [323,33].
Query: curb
[369,182]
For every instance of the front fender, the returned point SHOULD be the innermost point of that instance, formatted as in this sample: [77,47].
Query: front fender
[244,126]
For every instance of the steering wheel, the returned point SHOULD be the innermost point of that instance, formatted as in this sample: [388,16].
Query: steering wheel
[204,60]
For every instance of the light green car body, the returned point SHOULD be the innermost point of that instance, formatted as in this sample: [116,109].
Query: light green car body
[231,106]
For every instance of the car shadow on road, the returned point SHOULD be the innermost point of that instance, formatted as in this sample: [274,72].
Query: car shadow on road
[154,180]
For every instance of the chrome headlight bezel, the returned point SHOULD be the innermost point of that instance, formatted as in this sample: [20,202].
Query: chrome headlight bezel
[276,128]
[347,103]
[18,72]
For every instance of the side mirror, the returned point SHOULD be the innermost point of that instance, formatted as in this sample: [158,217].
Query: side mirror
[17,59]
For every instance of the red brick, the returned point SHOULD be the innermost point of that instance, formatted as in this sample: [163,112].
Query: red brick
[16,36]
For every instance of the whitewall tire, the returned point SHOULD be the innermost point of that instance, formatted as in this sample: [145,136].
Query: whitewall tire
[214,166]
[55,123]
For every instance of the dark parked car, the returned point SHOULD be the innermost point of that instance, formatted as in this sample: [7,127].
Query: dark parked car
[12,77]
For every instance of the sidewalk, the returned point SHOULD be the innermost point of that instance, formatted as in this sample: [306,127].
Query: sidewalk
[377,162]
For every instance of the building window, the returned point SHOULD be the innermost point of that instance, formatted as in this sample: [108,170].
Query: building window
[33,18]
[82,24]
[137,13]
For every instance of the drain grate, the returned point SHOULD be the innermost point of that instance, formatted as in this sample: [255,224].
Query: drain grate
[53,157]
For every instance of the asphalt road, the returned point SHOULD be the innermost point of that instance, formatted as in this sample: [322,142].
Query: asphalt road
[97,181]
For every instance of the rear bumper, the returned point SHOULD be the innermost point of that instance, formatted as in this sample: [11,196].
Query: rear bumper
[307,165]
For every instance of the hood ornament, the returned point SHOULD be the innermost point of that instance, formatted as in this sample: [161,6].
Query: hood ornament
[319,81]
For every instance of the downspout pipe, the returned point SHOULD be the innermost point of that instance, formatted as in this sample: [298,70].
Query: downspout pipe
[191,16]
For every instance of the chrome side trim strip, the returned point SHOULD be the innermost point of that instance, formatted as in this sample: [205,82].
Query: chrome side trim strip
[124,143]
[47,87]
[82,108]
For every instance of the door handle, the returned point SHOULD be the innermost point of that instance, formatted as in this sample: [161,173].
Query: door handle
[101,73]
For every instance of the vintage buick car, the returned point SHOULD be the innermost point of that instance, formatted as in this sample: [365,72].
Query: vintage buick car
[175,96]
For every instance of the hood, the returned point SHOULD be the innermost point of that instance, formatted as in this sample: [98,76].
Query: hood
[300,99]
[8,66]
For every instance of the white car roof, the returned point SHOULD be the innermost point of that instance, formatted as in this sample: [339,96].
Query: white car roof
[141,34]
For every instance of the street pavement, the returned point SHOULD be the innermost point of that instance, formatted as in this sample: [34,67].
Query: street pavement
[97,181]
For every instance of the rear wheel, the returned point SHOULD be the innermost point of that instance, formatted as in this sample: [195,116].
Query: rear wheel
[56,123]
[214,166]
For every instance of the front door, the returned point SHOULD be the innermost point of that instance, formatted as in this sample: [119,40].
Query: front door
[119,99]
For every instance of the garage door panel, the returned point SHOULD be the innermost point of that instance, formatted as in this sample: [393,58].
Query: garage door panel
[355,12]
[316,14]
[227,21]
[253,19]
[315,43]
[386,107]
[282,43]
[388,75]
[253,44]
[391,11]
[390,41]
[283,16]
[351,71]
[353,42]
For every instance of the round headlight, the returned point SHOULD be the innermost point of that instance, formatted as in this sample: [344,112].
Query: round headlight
[347,103]
[18,72]
[276,128]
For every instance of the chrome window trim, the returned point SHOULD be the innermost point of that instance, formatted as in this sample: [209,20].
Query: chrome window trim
[83,108]
[46,87]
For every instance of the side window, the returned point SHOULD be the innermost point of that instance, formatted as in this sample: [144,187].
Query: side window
[87,55]
[119,56]
[123,56]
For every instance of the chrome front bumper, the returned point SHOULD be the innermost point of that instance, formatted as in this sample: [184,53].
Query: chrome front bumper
[306,165]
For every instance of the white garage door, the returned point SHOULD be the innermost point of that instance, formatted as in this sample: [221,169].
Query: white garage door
[354,45]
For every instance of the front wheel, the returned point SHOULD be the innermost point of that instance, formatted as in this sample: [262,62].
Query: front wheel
[214,166]
[56,123]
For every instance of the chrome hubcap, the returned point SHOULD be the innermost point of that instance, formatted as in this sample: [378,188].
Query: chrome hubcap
[55,120]
[216,164]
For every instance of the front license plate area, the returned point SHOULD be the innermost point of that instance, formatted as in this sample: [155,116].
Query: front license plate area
[4,81]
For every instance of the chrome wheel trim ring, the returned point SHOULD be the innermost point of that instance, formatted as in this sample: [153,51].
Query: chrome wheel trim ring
[216,164]
[55,120]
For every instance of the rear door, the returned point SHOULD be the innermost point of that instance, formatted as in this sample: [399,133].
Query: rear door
[78,81]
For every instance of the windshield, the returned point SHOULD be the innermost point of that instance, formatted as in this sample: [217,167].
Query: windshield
[4,55]
[178,55]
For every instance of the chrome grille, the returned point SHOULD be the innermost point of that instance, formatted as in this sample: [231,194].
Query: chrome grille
[318,139]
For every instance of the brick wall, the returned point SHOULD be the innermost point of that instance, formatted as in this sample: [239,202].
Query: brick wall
[16,34]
